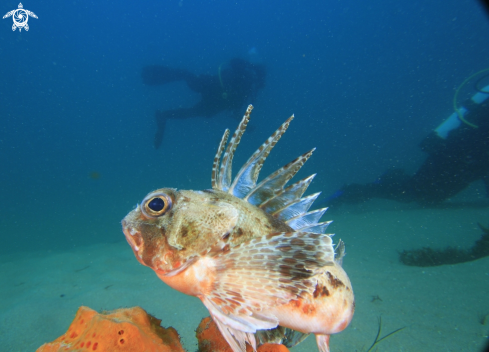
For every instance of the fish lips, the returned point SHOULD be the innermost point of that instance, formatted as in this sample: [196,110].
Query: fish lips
[160,258]
[134,238]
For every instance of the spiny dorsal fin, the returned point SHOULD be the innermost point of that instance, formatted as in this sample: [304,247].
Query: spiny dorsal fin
[287,196]
[269,194]
[245,179]
[275,182]
[319,227]
[217,160]
[227,160]
[296,208]
[339,252]
[306,220]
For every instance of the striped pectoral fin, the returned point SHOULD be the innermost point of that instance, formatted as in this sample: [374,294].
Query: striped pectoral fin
[236,331]
[267,271]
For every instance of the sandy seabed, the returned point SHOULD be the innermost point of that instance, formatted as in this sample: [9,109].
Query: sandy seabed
[441,308]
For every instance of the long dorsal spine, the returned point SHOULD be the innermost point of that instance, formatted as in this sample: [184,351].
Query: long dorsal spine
[217,160]
[227,160]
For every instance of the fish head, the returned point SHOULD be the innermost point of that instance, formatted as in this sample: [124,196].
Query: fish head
[171,229]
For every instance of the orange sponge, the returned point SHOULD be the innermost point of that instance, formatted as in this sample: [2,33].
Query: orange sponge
[124,330]
[211,340]
[270,347]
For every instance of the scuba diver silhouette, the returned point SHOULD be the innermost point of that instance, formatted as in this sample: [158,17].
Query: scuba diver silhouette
[458,154]
[236,83]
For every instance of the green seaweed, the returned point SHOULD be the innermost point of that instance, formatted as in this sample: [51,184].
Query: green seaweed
[427,256]
[379,331]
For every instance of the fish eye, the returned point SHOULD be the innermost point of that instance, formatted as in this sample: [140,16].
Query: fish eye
[156,204]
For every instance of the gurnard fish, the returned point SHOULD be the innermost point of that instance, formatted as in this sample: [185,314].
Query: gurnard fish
[254,254]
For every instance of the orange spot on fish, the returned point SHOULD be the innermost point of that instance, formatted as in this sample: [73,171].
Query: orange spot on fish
[308,308]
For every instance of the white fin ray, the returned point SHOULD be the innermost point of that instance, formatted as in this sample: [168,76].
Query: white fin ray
[235,338]
[296,208]
[317,228]
[323,342]
[246,177]
[287,196]
[227,160]
[305,220]
[340,252]
[274,183]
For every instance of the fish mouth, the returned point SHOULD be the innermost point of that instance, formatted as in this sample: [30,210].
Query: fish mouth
[157,261]
[133,237]
[160,261]
[178,270]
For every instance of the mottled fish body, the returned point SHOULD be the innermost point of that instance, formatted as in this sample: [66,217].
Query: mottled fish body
[253,253]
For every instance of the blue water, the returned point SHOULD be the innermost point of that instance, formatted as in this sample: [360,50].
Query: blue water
[366,81]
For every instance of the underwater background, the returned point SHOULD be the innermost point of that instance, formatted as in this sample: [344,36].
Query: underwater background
[366,80]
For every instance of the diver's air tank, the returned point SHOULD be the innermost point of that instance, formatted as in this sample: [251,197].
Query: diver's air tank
[454,121]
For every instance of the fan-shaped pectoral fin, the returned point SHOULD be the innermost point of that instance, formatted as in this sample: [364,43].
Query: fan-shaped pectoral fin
[236,332]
